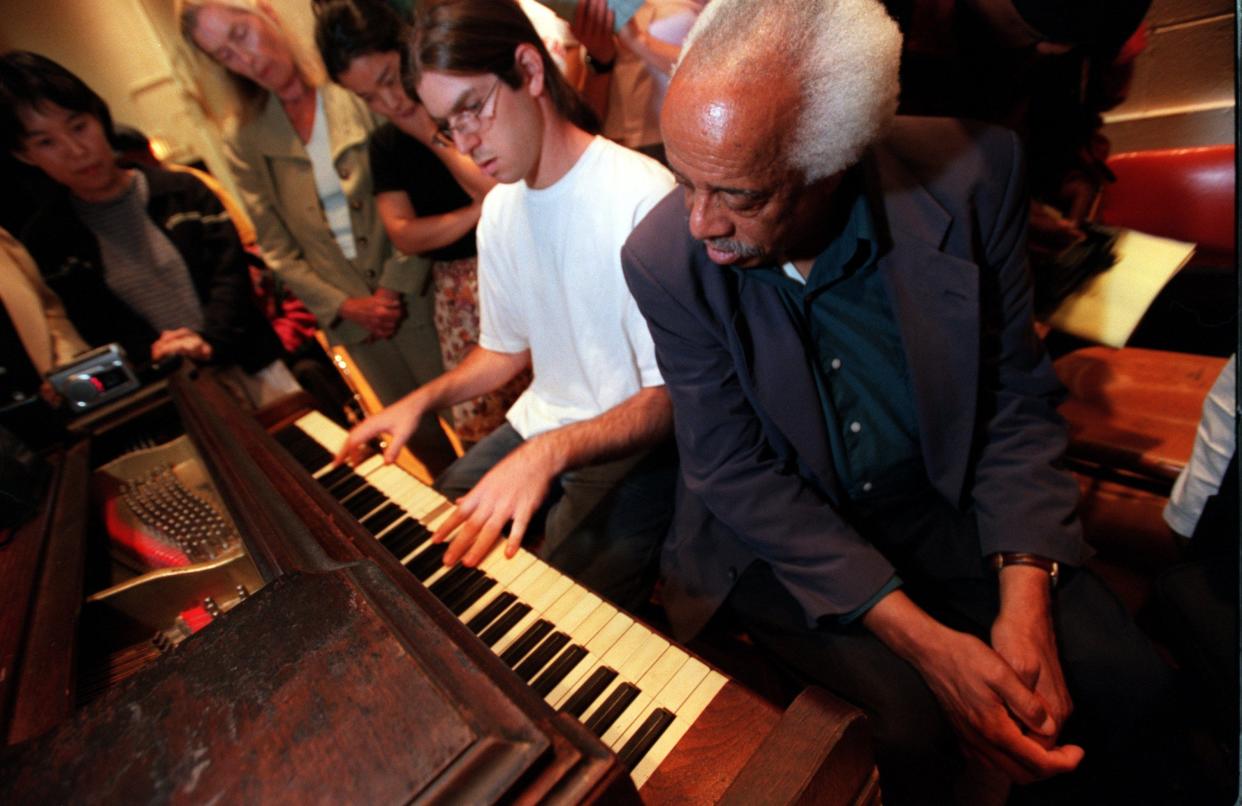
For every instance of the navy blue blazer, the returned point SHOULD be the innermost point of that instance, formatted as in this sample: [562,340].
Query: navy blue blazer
[757,474]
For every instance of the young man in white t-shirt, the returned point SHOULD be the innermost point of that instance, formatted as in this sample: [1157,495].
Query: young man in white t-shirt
[589,443]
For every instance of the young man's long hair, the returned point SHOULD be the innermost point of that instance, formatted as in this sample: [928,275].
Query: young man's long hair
[480,36]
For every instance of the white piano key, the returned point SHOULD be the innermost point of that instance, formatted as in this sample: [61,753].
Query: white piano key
[597,645]
[616,658]
[540,594]
[688,710]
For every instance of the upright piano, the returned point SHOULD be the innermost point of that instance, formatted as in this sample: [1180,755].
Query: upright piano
[268,628]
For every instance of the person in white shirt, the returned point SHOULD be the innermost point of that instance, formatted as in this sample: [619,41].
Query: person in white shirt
[588,445]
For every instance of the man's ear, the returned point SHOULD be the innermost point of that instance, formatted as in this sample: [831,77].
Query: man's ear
[529,63]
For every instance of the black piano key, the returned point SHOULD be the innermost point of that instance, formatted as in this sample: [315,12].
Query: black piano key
[526,642]
[620,699]
[453,594]
[312,455]
[543,653]
[303,448]
[488,614]
[648,734]
[427,561]
[347,486]
[454,577]
[335,476]
[363,501]
[405,537]
[507,621]
[589,691]
[465,596]
[554,674]
[382,518]
[344,485]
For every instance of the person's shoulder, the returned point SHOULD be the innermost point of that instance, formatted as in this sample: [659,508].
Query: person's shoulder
[389,143]
[387,136]
[663,234]
[631,176]
[631,159]
[959,162]
[163,180]
[499,204]
[941,148]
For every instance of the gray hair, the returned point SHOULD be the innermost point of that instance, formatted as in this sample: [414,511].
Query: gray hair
[844,55]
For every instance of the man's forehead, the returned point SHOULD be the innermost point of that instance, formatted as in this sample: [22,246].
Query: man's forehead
[733,133]
[445,93]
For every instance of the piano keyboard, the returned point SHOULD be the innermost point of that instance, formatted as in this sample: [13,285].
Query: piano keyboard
[627,684]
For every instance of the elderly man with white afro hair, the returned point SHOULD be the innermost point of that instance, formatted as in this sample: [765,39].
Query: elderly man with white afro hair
[870,450]
[844,55]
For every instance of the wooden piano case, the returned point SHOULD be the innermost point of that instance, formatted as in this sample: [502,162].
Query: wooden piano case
[342,679]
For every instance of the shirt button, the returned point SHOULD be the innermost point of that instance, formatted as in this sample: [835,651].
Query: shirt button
[732,575]
[356,204]
[362,240]
[836,363]
[370,274]
[866,486]
[855,427]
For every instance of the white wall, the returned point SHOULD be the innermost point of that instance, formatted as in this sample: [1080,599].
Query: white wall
[1183,92]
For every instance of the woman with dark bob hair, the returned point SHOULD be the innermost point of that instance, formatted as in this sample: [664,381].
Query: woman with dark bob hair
[141,256]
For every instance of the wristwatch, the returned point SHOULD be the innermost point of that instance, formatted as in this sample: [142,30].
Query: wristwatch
[598,67]
[1003,558]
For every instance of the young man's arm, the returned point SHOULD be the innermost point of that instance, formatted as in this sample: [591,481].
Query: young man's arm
[513,489]
[481,371]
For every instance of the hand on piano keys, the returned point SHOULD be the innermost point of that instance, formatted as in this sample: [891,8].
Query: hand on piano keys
[398,421]
[630,686]
[508,495]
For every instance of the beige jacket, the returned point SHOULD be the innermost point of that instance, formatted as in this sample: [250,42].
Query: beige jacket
[277,184]
[37,313]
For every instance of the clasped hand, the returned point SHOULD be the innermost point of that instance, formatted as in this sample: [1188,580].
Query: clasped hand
[1006,718]
[381,313]
[183,342]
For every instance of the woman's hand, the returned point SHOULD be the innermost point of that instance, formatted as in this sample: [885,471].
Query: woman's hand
[381,313]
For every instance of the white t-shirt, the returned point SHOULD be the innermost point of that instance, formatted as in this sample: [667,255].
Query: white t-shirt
[550,281]
[1215,444]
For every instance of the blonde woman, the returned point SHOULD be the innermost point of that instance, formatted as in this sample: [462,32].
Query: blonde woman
[299,155]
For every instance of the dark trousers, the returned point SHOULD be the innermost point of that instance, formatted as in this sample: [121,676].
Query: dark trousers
[602,524]
[1114,676]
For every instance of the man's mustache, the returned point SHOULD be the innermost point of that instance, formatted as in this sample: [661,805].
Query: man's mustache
[742,250]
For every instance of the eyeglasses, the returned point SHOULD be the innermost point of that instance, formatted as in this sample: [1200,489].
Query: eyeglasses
[470,119]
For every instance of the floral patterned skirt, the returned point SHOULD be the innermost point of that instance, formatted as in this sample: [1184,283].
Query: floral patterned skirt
[457,323]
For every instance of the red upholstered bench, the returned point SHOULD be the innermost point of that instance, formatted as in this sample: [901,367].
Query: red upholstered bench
[1132,413]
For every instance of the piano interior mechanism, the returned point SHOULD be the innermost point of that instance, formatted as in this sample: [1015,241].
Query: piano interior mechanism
[257,625]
